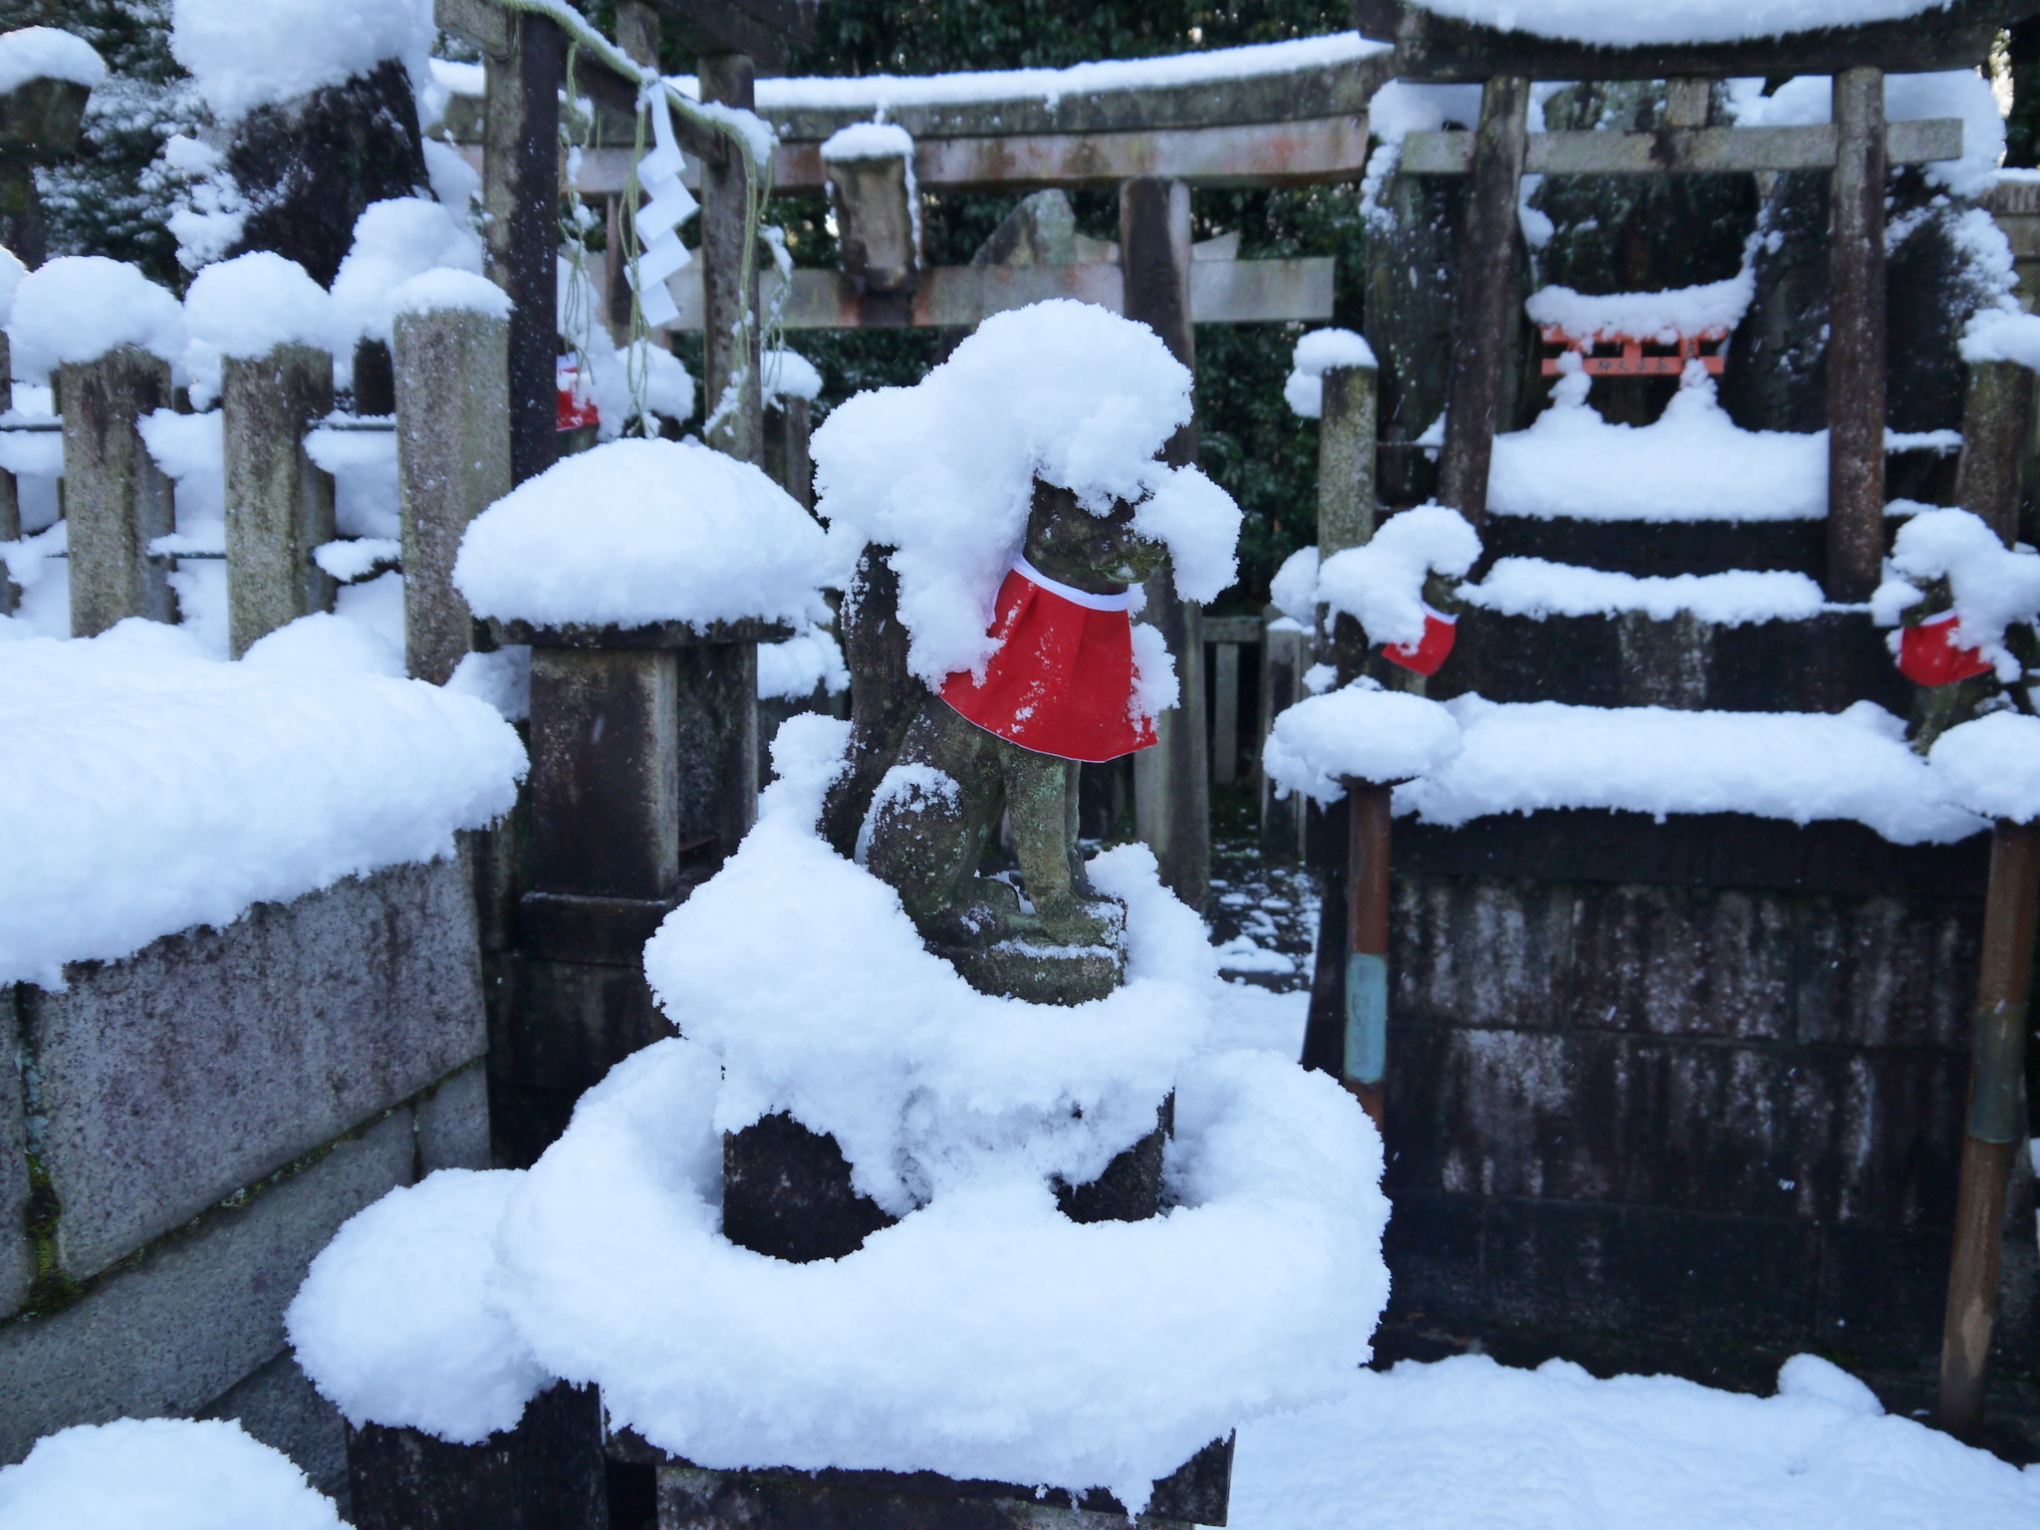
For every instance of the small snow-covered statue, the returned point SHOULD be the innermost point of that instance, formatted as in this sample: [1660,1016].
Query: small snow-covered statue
[1005,511]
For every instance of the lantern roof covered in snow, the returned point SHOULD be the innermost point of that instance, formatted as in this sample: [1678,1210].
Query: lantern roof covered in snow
[1619,40]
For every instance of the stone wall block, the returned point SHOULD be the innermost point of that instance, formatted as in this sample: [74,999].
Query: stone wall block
[1701,1128]
[17,1254]
[1482,953]
[279,1406]
[1680,962]
[453,1122]
[198,1312]
[1513,1110]
[1888,971]
[1878,1136]
[216,1057]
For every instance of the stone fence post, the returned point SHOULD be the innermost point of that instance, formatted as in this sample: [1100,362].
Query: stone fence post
[115,497]
[279,503]
[453,462]
[10,493]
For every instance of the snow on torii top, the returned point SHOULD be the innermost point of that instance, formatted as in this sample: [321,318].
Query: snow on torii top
[943,472]
[1625,24]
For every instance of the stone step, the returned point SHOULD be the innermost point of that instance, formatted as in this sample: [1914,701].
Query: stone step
[1660,548]
[1821,663]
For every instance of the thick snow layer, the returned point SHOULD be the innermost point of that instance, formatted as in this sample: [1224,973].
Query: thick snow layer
[1624,24]
[445,287]
[1993,585]
[243,56]
[2001,334]
[985,1335]
[364,468]
[149,789]
[78,307]
[1370,735]
[1538,588]
[501,678]
[1961,93]
[326,642]
[943,472]
[44,53]
[635,532]
[1381,583]
[1992,765]
[438,1356]
[795,669]
[788,374]
[1294,587]
[1520,757]
[1691,464]
[869,140]
[248,306]
[890,91]
[160,1474]
[1323,349]
[1466,1442]
[395,240]
[1654,316]
[11,273]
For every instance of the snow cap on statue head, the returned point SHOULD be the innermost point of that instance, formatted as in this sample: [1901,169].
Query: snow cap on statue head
[943,472]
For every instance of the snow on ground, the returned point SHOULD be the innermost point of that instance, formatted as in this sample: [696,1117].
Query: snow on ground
[1466,1444]
[160,1474]
[148,788]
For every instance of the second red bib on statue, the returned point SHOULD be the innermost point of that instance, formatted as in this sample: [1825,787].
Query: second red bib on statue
[1062,682]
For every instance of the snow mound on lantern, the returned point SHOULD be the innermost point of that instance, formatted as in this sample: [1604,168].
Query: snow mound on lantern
[244,56]
[1993,586]
[78,307]
[636,532]
[943,472]
[1372,735]
[984,1334]
[46,53]
[160,1474]
[1380,584]
[1992,765]
[432,1352]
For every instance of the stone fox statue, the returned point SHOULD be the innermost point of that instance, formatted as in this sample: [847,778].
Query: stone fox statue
[931,773]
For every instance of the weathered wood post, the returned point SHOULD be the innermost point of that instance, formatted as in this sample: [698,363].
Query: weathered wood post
[1348,420]
[1171,782]
[279,503]
[730,330]
[1855,355]
[1996,1127]
[787,459]
[1997,418]
[1286,655]
[1225,722]
[116,499]
[1364,1059]
[1487,291]
[524,59]
[453,462]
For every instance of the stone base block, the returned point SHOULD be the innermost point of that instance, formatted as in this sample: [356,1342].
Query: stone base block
[279,1406]
[1011,970]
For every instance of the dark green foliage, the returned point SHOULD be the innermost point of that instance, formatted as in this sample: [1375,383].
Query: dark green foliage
[2022,125]
[110,200]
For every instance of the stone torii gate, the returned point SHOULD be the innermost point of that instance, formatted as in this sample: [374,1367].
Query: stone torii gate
[1279,125]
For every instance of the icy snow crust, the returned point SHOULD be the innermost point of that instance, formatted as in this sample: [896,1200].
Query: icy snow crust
[1371,735]
[642,531]
[1521,757]
[984,1335]
[1691,464]
[1994,586]
[943,472]
[1625,24]
[46,53]
[160,1474]
[1468,1443]
[150,789]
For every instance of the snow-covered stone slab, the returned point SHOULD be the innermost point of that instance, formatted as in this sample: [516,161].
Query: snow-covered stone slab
[1523,757]
[1369,735]
[640,532]
[1537,588]
[148,789]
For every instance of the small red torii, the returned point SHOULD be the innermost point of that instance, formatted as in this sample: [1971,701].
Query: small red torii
[1632,361]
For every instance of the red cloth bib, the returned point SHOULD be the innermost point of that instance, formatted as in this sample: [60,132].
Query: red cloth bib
[1061,682]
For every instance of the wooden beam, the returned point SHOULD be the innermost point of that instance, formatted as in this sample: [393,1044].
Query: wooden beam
[1221,292]
[1435,48]
[1856,338]
[1696,151]
[1487,295]
[729,304]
